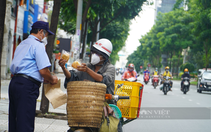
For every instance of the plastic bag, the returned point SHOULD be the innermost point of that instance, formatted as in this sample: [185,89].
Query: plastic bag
[109,122]
[65,55]
[76,63]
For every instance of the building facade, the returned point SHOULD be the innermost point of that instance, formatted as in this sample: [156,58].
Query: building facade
[166,6]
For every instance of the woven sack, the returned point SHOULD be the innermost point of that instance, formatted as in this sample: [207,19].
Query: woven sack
[85,103]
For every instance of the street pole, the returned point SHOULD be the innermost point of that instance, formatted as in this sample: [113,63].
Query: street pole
[98,29]
[16,21]
[184,59]
[77,44]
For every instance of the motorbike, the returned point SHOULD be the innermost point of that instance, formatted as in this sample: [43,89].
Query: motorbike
[185,85]
[112,100]
[166,84]
[117,72]
[146,78]
[155,81]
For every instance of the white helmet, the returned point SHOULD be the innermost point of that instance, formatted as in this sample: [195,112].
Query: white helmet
[104,45]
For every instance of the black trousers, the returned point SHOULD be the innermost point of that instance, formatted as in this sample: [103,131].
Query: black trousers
[23,94]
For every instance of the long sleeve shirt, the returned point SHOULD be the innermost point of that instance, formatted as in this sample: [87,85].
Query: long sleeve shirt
[107,71]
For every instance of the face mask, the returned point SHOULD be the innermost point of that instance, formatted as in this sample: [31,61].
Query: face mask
[130,70]
[156,70]
[45,41]
[41,35]
[95,59]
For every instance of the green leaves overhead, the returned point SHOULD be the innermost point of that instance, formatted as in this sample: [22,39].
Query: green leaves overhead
[178,30]
[113,15]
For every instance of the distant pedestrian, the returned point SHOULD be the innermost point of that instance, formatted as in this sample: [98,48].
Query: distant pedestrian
[30,69]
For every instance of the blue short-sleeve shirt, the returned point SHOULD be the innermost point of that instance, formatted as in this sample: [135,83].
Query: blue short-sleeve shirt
[30,57]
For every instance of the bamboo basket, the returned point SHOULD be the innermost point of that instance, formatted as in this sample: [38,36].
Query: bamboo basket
[85,103]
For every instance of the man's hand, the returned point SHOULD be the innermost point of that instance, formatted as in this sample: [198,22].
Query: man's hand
[48,78]
[46,81]
[62,63]
[55,80]
[82,67]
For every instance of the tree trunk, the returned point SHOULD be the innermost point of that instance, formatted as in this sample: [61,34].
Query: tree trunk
[94,31]
[84,27]
[170,61]
[173,62]
[2,17]
[158,60]
[49,48]
[206,54]
[178,61]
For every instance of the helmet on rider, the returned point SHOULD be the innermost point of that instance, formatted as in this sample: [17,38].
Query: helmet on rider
[130,67]
[103,47]
[186,70]
[167,68]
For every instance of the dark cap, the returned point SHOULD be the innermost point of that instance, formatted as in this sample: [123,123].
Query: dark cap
[42,25]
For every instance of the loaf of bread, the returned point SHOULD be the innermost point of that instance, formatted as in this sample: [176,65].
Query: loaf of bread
[75,64]
[66,56]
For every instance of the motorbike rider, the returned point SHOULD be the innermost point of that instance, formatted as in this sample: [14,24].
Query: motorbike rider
[145,72]
[155,73]
[168,74]
[98,70]
[129,73]
[117,71]
[186,74]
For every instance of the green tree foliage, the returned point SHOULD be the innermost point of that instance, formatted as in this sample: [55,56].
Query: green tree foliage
[201,11]
[117,32]
[107,12]
[175,31]
[196,58]
[189,66]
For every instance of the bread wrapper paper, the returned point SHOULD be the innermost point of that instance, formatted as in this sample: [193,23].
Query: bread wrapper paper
[55,95]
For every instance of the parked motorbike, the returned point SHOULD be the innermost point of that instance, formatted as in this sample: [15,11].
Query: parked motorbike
[166,84]
[185,85]
[155,81]
[146,78]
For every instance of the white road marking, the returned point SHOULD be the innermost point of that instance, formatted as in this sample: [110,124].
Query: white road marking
[198,103]
[190,100]
[183,97]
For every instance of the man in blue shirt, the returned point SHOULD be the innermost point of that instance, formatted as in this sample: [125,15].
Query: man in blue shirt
[29,68]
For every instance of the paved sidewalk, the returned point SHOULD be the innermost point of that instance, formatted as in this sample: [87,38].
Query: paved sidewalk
[41,124]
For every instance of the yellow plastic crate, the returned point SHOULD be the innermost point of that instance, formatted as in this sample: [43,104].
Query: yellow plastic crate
[129,108]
